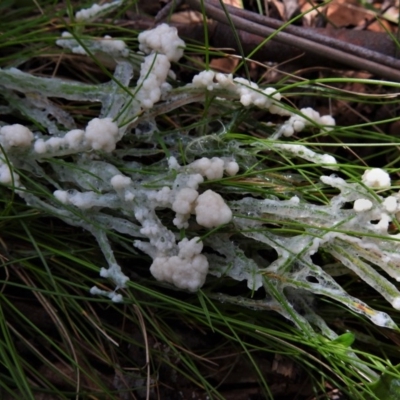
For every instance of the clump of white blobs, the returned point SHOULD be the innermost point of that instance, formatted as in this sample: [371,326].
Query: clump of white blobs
[249,93]
[108,45]
[210,208]
[153,74]
[100,134]
[87,14]
[306,117]
[163,46]
[15,138]
[376,178]
[188,269]
[362,205]
[163,39]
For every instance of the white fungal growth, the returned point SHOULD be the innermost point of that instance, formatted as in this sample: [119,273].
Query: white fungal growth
[250,93]
[119,182]
[187,270]
[108,45]
[376,178]
[361,205]
[390,204]
[95,10]
[184,201]
[183,205]
[185,189]
[306,117]
[51,145]
[81,200]
[149,200]
[327,121]
[40,146]
[67,41]
[115,274]
[114,46]
[161,197]
[211,210]
[74,138]
[15,136]
[7,176]
[383,224]
[326,160]
[164,40]
[225,80]
[204,79]
[61,196]
[231,168]
[194,180]
[102,134]
[113,296]
[173,163]
[210,168]
[213,168]
[153,73]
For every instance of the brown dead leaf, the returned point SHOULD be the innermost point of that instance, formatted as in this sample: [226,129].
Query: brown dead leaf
[234,3]
[286,367]
[187,17]
[343,13]
[392,15]
[290,8]
[309,15]
[225,64]
[278,9]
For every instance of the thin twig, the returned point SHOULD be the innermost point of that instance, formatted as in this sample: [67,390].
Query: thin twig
[337,50]
[167,10]
[315,36]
